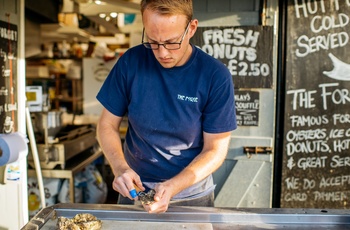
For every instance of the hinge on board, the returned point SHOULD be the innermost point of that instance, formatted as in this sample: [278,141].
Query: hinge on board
[249,150]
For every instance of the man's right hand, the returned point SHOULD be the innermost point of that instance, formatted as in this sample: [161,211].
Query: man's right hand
[126,182]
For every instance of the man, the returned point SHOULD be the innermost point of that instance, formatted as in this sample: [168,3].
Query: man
[180,107]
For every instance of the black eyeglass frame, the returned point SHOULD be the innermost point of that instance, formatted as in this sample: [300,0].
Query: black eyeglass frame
[149,45]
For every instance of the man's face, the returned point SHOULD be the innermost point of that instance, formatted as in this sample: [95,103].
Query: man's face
[169,29]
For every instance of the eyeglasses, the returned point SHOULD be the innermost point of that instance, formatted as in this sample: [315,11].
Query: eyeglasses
[169,46]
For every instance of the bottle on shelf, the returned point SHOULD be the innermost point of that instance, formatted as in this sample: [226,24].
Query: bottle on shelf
[64,49]
[79,51]
[76,49]
[50,51]
[55,50]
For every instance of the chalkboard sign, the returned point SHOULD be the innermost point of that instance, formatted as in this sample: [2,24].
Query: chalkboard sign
[247,107]
[316,156]
[8,75]
[245,50]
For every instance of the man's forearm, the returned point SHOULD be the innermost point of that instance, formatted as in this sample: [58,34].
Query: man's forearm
[109,139]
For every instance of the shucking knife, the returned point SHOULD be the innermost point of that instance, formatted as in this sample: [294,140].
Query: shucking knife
[135,192]
[145,198]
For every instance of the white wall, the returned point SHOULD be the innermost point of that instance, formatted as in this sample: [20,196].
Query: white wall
[95,70]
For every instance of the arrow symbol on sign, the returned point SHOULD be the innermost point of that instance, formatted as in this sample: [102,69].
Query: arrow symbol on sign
[341,70]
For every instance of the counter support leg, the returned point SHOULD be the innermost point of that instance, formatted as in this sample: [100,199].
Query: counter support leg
[71,189]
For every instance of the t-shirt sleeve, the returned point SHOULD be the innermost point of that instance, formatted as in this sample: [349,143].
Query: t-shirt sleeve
[220,113]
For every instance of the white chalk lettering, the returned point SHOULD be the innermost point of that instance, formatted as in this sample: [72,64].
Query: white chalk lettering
[307,147]
[312,162]
[337,133]
[319,23]
[337,96]
[230,52]
[10,107]
[329,196]
[292,183]
[295,197]
[231,36]
[330,94]
[242,97]
[251,122]
[290,163]
[334,181]
[8,34]
[310,7]
[309,184]
[247,105]
[341,119]
[323,42]
[302,121]
[338,161]
[326,23]
[4,91]
[302,98]
[245,69]
[301,135]
[341,145]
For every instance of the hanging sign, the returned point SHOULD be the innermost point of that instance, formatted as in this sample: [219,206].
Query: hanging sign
[247,107]
[8,76]
[245,50]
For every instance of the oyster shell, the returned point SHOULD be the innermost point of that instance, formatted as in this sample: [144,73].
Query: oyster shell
[147,198]
[81,221]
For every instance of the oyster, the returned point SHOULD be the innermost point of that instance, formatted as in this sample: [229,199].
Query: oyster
[82,221]
[147,198]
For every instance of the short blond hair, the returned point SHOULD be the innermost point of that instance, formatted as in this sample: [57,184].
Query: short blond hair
[169,7]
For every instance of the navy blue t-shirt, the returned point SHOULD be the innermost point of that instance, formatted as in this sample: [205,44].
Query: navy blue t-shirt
[168,109]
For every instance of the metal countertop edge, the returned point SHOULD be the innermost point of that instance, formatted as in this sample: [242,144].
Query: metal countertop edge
[195,215]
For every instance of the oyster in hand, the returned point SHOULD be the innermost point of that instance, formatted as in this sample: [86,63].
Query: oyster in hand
[147,198]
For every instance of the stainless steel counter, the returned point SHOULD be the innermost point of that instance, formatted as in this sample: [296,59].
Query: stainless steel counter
[134,217]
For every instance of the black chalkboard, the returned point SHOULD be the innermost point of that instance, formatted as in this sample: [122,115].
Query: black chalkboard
[316,155]
[247,105]
[245,50]
[8,76]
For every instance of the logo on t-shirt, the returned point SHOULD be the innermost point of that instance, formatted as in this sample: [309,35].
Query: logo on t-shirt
[187,98]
